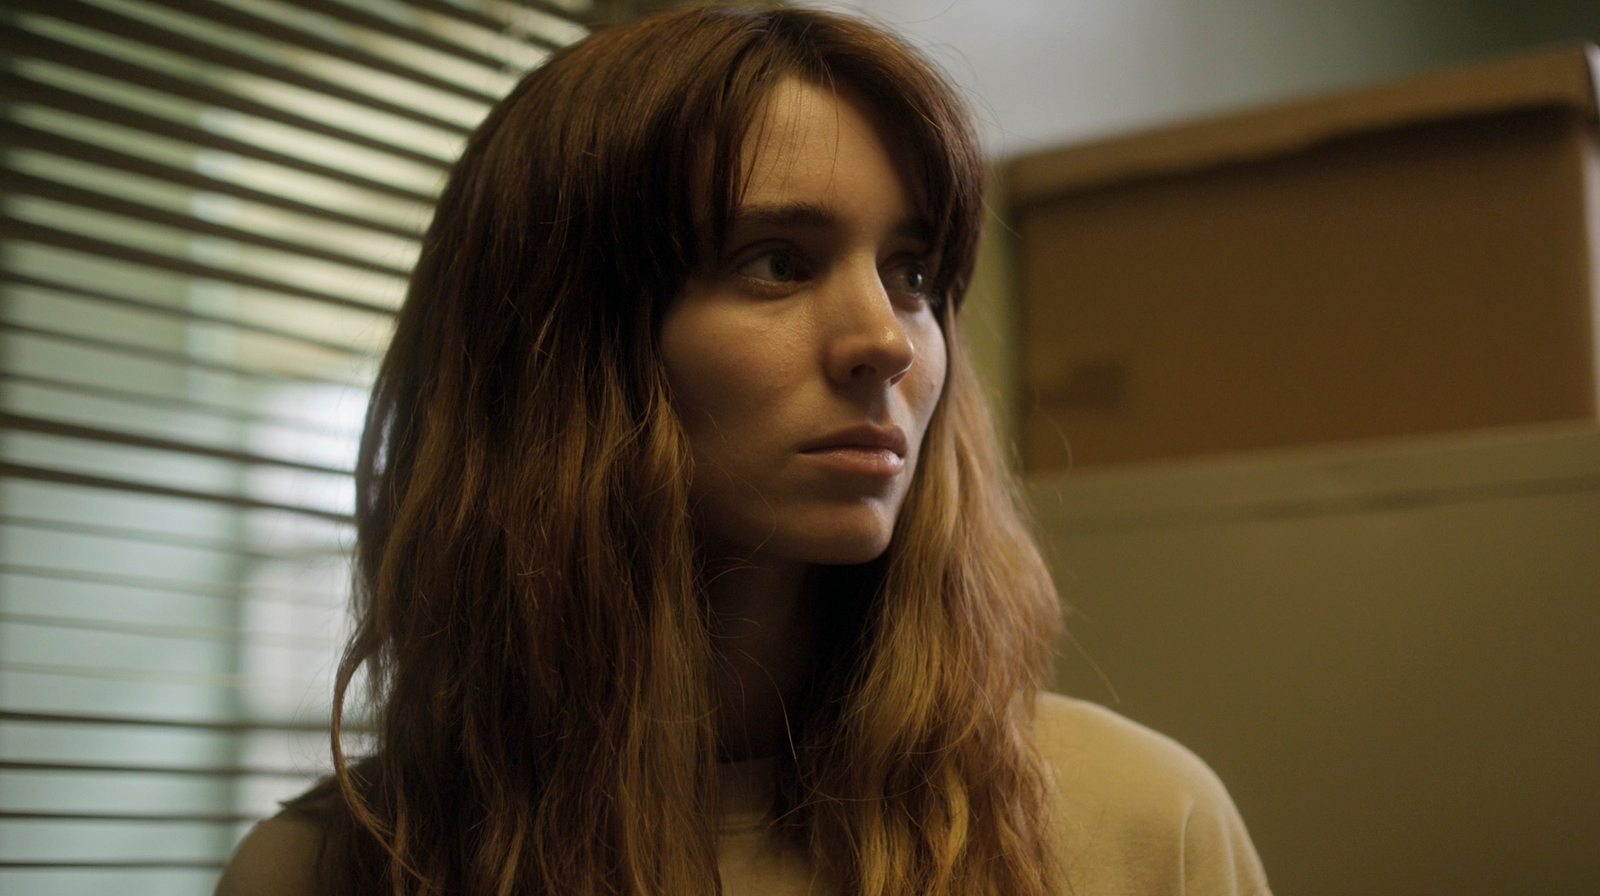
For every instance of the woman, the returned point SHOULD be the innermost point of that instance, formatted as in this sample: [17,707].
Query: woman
[685,559]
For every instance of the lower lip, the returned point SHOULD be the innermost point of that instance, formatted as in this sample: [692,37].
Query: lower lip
[861,461]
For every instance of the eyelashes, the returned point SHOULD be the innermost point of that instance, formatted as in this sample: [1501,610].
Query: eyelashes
[771,266]
[907,278]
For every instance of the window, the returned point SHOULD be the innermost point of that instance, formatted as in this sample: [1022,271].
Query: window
[207,215]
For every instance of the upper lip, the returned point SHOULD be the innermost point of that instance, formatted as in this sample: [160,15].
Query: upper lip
[863,436]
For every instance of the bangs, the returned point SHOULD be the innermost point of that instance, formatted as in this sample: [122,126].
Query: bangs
[917,113]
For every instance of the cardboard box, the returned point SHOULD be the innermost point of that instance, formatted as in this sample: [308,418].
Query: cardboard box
[1415,257]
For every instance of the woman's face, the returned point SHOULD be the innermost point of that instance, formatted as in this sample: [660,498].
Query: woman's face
[806,361]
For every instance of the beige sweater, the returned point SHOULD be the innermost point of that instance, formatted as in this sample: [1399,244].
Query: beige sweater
[1136,815]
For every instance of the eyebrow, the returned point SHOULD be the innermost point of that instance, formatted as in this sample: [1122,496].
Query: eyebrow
[811,215]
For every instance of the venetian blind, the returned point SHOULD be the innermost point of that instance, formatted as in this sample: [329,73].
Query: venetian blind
[207,212]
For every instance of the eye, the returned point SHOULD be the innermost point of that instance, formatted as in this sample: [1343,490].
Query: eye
[915,279]
[909,278]
[776,266]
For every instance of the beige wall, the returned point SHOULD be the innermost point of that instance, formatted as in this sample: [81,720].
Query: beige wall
[1389,651]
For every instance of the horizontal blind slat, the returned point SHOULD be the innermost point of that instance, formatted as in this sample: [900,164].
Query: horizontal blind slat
[222,726]
[236,771]
[20,135]
[248,550]
[23,89]
[104,436]
[24,43]
[142,817]
[161,356]
[218,590]
[420,34]
[113,22]
[115,484]
[245,21]
[101,296]
[194,406]
[498,15]
[117,865]
[199,680]
[17,183]
[150,630]
[32,232]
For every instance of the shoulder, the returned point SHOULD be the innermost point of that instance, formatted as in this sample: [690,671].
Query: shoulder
[1093,751]
[279,856]
[1138,813]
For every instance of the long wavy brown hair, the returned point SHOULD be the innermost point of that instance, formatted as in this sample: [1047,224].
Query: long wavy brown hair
[529,612]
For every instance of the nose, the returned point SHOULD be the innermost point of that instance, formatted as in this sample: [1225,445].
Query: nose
[869,343]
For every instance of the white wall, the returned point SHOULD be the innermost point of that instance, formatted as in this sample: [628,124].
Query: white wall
[1045,72]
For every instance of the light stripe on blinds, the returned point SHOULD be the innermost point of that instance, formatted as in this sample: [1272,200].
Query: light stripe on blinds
[208,209]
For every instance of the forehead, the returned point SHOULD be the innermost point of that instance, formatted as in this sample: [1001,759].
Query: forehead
[812,144]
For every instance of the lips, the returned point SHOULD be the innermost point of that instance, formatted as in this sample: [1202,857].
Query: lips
[860,438]
[876,453]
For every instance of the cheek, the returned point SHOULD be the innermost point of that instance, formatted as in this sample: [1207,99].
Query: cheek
[720,369]
[929,374]
[693,369]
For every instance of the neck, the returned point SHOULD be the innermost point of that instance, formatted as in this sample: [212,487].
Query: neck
[763,636]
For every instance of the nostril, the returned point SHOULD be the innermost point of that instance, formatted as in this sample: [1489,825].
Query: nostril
[866,348]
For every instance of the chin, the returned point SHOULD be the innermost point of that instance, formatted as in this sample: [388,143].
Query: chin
[833,535]
[849,553]
[845,541]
